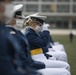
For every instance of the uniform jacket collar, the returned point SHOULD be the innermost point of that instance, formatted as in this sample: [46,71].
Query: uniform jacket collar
[32,31]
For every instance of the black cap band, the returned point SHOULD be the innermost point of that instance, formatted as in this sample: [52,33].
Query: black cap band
[37,19]
[18,13]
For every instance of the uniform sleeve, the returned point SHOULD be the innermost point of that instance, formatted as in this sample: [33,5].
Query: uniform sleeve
[51,40]
[38,41]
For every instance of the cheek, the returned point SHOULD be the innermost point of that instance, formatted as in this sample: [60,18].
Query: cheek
[33,25]
[14,23]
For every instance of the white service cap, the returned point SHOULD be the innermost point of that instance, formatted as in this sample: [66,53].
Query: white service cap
[18,7]
[36,15]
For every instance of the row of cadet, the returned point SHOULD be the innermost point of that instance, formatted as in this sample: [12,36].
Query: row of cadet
[32,52]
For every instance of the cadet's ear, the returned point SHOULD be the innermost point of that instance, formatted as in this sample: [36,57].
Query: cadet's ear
[13,22]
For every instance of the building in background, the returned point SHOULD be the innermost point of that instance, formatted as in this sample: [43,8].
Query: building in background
[61,13]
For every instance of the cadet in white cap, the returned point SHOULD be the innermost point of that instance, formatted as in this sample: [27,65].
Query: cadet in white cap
[7,65]
[62,56]
[37,42]
[59,55]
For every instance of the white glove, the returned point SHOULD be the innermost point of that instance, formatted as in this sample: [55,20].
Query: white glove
[45,27]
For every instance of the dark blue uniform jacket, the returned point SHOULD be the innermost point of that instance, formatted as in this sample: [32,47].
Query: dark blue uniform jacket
[36,40]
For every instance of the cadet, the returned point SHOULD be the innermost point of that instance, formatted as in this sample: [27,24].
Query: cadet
[37,42]
[7,67]
[9,47]
[58,55]
[71,36]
